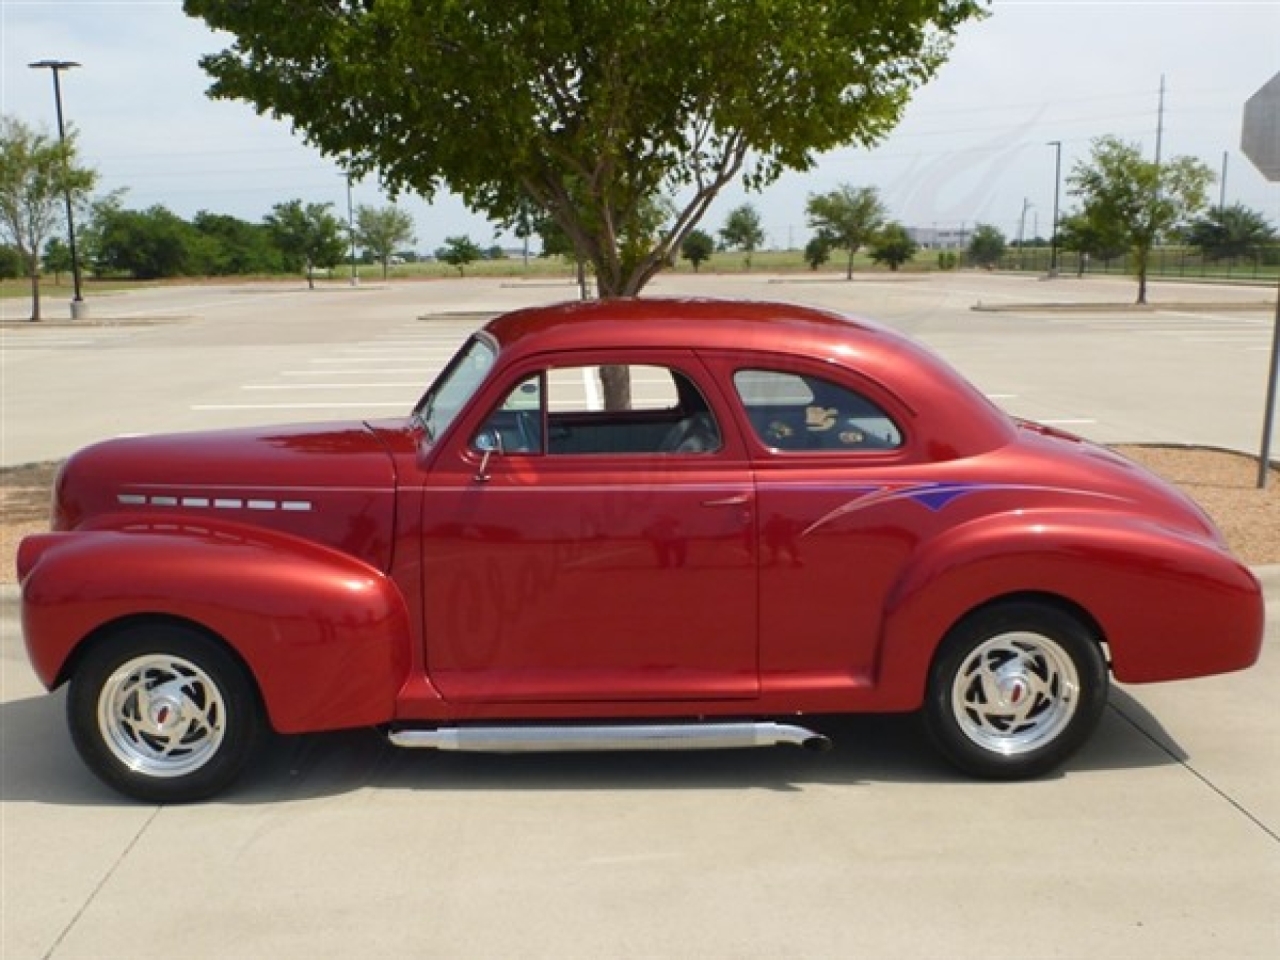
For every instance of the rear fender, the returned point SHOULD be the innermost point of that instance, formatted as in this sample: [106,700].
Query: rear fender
[325,635]
[1168,606]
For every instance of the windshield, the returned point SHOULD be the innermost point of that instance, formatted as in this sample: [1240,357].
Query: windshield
[450,393]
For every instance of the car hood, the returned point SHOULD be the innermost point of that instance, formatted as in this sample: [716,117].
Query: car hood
[330,483]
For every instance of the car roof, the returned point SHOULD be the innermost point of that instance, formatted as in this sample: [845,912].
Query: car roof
[672,322]
[956,414]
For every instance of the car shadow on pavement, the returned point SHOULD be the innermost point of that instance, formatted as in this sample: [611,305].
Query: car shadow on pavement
[40,764]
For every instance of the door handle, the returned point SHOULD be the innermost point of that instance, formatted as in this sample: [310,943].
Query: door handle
[734,501]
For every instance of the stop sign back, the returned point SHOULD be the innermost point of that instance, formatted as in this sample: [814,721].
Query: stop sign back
[1260,141]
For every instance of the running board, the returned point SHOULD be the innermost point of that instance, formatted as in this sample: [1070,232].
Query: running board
[560,738]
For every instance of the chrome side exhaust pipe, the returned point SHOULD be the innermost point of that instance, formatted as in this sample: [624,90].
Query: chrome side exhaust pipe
[562,738]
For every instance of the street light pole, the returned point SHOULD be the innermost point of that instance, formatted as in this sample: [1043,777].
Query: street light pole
[1057,179]
[1022,226]
[78,308]
[351,233]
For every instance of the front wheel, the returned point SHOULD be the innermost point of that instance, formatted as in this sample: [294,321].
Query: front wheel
[1015,690]
[163,713]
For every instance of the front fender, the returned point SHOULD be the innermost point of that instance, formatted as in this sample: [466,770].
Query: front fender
[325,635]
[1169,606]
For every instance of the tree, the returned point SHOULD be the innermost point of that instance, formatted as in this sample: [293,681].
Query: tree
[1082,235]
[697,248]
[381,231]
[57,258]
[893,246]
[986,246]
[307,236]
[586,110]
[1138,200]
[1231,232]
[458,252]
[743,231]
[235,247]
[847,216]
[37,173]
[817,251]
[143,244]
[12,263]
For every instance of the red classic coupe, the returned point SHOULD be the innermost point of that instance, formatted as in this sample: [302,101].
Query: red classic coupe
[646,524]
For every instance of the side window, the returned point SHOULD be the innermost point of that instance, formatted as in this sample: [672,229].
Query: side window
[793,412]
[516,426]
[582,389]
[565,411]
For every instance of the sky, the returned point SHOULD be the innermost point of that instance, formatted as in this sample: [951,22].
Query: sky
[973,145]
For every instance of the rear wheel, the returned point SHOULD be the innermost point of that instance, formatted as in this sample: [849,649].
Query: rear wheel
[163,713]
[1015,690]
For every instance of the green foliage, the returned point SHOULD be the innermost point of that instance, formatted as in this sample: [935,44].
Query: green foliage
[1084,235]
[848,216]
[37,173]
[555,242]
[308,237]
[12,263]
[458,252]
[697,248]
[818,250]
[586,110]
[1231,232]
[946,260]
[57,258]
[381,231]
[143,244]
[986,246]
[235,247]
[893,246]
[743,231]
[1137,201]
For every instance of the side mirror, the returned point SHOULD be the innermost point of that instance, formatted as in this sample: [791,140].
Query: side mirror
[488,442]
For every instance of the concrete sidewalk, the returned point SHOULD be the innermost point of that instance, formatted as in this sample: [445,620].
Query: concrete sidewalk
[1161,839]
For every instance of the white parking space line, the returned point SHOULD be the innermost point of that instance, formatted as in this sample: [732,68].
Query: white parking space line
[400,371]
[325,405]
[1241,338]
[355,370]
[328,386]
[335,360]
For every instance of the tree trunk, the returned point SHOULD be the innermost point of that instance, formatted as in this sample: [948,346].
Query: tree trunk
[1140,260]
[848,273]
[35,290]
[617,387]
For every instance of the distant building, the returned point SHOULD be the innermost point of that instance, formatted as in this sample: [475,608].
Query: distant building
[941,238]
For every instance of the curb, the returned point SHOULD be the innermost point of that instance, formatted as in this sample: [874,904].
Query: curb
[96,323]
[1086,307]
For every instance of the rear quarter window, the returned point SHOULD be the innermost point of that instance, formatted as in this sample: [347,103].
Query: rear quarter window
[794,412]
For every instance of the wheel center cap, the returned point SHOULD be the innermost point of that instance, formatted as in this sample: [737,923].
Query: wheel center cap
[164,713]
[1013,690]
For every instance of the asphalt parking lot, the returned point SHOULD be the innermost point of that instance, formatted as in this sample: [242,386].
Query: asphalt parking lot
[1161,839]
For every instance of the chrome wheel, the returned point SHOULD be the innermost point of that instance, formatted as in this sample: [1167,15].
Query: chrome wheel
[1015,689]
[161,715]
[1015,692]
[163,711]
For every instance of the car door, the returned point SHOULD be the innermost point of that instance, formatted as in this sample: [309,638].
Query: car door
[573,553]
[830,455]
